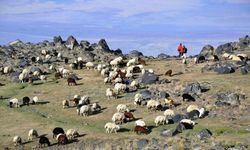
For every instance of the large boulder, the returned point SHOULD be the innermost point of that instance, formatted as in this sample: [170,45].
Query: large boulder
[149,78]
[162,56]
[207,51]
[16,43]
[192,88]
[71,42]
[226,48]
[103,45]
[244,42]
[57,40]
[204,134]
[225,68]
[226,99]
[146,94]
[135,53]
[142,143]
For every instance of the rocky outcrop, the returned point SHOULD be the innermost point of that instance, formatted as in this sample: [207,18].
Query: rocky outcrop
[207,51]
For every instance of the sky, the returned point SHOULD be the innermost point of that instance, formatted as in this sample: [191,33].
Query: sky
[150,26]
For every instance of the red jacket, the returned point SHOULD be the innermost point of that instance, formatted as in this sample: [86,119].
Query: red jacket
[180,49]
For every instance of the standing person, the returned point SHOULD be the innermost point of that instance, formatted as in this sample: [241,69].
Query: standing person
[184,51]
[180,50]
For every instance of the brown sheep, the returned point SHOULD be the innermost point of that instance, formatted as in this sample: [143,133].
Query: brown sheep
[129,116]
[169,73]
[141,61]
[140,129]
[62,139]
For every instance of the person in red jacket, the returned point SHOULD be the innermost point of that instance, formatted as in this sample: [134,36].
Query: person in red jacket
[180,50]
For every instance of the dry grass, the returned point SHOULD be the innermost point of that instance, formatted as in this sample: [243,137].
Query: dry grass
[18,121]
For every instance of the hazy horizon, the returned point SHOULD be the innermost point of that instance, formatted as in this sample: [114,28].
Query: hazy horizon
[152,27]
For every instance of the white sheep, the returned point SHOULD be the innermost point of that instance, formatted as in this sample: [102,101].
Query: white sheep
[65,103]
[7,70]
[184,61]
[15,102]
[85,110]
[110,93]
[17,140]
[113,74]
[153,104]
[65,72]
[90,65]
[84,100]
[122,108]
[23,76]
[77,97]
[192,107]
[202,112]
[143,71]
[59,55]
[120,88]
[44,52]
[35,100]
[242,55]
[135,84]
[225,55]
[169,113]
[43,77]
[117,80]
[111,127]
[234,58]
[132,62]
[38,59]
[36,73]
[160,120]
[72,133]
[150,70]
[188,121]
[195,60]
[140,123]
[118,118]
[79,59]
[32,133]
[25,71]
[95,107]
[104,72]
[138,98]
[129,75]
[48,57]
[107,80]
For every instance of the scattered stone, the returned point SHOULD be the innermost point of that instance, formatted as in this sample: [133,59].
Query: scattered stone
[142,143]
[149,78]
[204,134]
[243,71]
[166,132]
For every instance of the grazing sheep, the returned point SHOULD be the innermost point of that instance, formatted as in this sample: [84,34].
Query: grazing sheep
[141,61]
[192,107]
[90,65]
[96,107]
[65,73]
[122,108]
[72,133]
[35,100]
[132,62]
[111,127]
[195,60]
[225,55]
[138,99]
[160,120]
[84,100]
[140,130]
[42,141]
[154,105]
[44,52]
[234,58]
[202,112]
[14,102]
[57,131]
[117,80]
[107,80]
[23,77]
[184,124]
[135,84]
[129,116]
[111,94]
[120,88]
[140,123]
[129,75]
[118,118]
[85,110]
[65,103]
[17,140]
[26,100]
[188,121]
[36,74]
[187,97]
[62,139]
[43,77]
[32,133]
[105,72]
[71,81]
[169,73]
[169,113]
[7,70]
[169,101]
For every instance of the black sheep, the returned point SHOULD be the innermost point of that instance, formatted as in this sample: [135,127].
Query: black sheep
[187,97]
[26,100]
[57,131]
[43,140]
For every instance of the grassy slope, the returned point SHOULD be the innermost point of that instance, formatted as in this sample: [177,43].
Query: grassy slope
[45,117]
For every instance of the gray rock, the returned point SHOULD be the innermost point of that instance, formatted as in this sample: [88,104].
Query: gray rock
[166,132]
[204,134]
[225,68]
[207,51]
[194,87]
[135,53]
[57,40]
[226,99]
[149,78]
[146,94]
[142,143]
[243,71]
[217,147]
[72,42]
[178,117]
[197,147]
[163,56]
[35,68]
[103,44]
[163,94]
[228,48]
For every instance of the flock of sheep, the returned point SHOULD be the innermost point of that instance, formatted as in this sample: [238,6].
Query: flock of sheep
[123,77]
